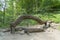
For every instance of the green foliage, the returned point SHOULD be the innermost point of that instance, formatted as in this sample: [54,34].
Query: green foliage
[43,9]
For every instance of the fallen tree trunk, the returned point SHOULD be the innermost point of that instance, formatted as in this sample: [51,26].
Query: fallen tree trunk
[21,18]
[31,30]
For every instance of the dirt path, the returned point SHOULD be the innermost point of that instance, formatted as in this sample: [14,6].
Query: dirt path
[49,34]
[55,35]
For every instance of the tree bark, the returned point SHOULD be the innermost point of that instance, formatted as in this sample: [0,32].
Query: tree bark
[21,18]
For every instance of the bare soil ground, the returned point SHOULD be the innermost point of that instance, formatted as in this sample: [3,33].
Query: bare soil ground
[49,34]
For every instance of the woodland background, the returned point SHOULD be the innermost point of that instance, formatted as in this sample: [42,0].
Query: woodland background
[10,10]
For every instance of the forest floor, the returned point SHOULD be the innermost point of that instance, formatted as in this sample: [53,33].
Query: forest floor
[49,34]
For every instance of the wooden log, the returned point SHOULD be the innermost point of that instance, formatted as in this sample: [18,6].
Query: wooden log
[26,30]
[21,18]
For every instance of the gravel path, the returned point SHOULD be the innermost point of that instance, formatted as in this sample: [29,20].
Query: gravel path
[49,34]
[55,35]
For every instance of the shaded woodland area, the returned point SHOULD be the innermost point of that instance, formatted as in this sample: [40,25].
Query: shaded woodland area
[10,10]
